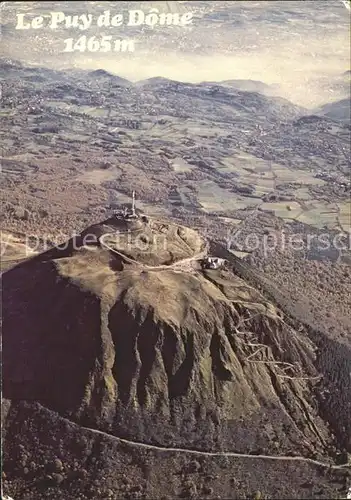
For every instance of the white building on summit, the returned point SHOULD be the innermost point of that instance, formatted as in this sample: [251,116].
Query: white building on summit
[213,262]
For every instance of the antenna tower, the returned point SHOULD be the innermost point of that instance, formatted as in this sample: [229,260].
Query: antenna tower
[133,203]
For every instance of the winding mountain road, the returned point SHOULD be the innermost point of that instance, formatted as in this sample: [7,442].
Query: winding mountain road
[185,264]
[180,265]
[215,453]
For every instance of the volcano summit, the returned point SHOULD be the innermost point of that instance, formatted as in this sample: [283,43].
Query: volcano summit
[154,348]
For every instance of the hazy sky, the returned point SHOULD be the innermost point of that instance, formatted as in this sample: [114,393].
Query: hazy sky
[301,46]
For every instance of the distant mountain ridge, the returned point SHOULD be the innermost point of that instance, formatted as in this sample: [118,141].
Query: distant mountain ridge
[339,110]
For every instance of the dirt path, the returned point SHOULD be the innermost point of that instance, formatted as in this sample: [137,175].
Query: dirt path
[214,453]
[181,265]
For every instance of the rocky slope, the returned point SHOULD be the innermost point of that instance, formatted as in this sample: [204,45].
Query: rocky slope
[159,355]
[48,457]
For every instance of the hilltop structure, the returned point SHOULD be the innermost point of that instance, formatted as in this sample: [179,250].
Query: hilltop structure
[126,212]
[213,263]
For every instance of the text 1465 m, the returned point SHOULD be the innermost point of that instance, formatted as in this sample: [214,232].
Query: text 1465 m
[98,44]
